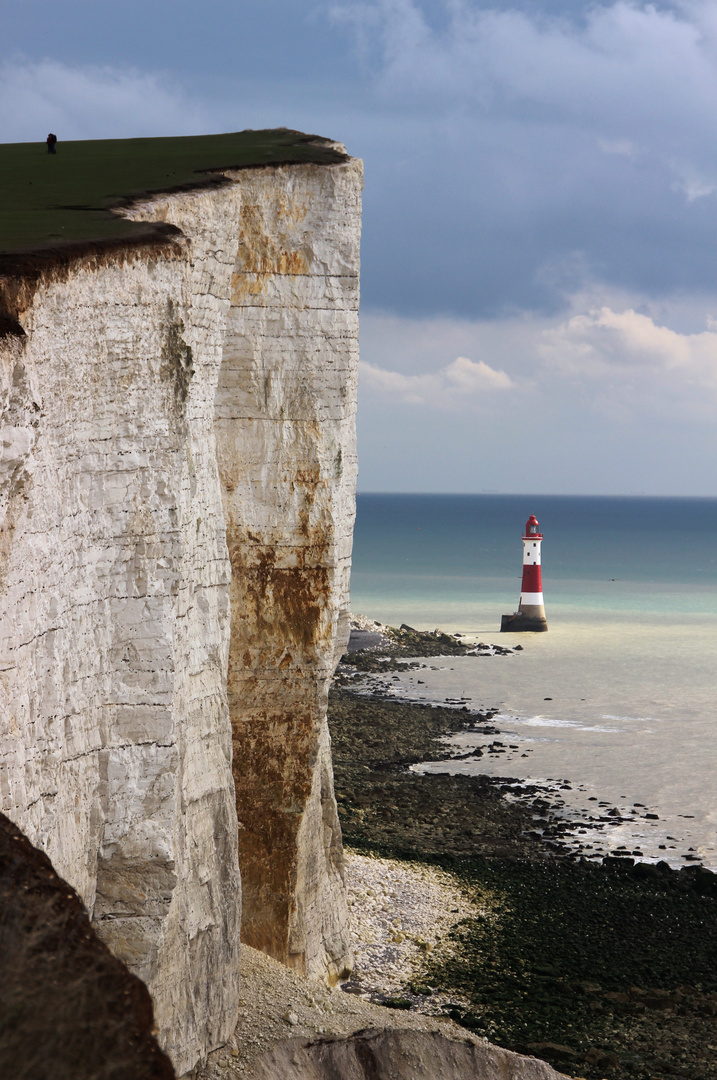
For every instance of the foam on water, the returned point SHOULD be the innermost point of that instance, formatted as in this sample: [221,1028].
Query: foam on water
[544,721]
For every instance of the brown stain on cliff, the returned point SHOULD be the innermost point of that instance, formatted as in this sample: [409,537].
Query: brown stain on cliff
[279,604]
[278,636]
[260,256]
[273,747]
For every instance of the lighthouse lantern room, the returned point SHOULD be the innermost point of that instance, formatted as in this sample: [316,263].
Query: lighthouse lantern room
[530,615]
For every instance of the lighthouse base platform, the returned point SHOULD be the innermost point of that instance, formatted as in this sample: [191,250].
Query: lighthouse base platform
[523,622]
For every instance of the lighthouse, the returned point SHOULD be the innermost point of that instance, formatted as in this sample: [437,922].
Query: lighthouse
[531,609]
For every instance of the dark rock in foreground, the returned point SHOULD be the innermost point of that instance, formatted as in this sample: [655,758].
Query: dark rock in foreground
[69,1009]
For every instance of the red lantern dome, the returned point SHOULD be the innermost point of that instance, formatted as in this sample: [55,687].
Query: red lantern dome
[532,529]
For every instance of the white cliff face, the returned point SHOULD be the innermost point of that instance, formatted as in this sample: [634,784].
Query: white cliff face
[114,627]
[116,582]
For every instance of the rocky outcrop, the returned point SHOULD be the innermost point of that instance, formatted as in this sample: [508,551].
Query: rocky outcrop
[291,1026]
[68,1008]
[138,378]
[396,1055]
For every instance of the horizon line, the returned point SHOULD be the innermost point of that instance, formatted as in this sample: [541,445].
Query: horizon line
[541,495]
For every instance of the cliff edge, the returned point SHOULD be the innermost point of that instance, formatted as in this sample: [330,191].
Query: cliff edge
[177,471]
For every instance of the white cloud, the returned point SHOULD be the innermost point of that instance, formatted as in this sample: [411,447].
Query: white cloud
[629,345]
[460,384]
[621,396]
[693,184]
[91,103]
[609,358]
[618,147]
[620,53]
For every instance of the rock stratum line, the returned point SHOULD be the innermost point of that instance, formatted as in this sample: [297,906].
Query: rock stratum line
[177,475]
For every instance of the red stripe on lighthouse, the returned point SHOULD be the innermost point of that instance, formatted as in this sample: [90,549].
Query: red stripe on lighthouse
[532,580]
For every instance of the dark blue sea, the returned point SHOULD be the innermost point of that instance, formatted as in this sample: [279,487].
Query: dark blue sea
[457,558]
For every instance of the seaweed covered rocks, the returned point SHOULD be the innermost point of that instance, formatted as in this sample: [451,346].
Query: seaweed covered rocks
[607,971]
[384,806]
[376,648]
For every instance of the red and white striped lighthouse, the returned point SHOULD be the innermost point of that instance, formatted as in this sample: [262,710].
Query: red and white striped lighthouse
[531,609]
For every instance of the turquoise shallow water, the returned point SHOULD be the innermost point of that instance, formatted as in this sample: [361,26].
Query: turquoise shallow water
[629,661]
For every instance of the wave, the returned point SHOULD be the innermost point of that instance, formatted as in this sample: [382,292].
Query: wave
[551,722]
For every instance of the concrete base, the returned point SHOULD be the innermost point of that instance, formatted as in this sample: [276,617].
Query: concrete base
[522,623]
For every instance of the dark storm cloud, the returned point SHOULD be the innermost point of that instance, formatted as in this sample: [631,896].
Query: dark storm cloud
[527,153]
[214,42]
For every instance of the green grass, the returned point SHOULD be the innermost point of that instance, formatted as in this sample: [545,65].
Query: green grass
[49,200]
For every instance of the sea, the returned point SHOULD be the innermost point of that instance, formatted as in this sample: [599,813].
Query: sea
[614,709]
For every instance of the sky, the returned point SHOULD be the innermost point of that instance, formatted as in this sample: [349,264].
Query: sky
[539,251]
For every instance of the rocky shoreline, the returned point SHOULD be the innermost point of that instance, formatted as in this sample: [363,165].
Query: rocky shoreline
[564,817]
[604,968]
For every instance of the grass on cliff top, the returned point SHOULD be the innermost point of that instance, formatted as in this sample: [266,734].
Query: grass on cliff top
[49,200]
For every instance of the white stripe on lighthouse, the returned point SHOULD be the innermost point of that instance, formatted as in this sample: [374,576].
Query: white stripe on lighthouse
[531,598]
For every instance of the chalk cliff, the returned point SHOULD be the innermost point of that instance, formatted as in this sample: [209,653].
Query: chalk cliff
[177,467]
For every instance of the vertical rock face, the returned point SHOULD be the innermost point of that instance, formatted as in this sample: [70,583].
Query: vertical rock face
[285,411]
[115,625]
